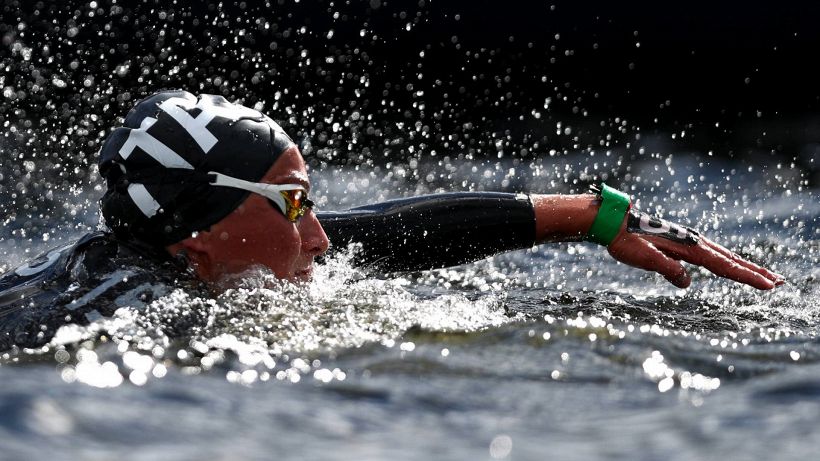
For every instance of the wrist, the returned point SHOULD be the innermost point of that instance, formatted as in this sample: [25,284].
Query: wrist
[610,217]
[564,218]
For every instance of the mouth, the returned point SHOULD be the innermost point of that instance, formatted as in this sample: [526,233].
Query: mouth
[304,274]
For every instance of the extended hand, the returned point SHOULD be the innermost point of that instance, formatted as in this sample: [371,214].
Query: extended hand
[657,245]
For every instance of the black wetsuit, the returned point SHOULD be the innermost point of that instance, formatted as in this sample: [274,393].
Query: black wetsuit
[98,274]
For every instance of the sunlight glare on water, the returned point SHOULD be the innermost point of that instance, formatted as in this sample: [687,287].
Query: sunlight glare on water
[265,321]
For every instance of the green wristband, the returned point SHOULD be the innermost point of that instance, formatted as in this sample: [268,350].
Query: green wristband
[607,224]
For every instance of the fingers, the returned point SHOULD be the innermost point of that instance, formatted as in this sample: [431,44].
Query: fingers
[642,254]
[722,266]
[776,278]
[723,263]
[657,248]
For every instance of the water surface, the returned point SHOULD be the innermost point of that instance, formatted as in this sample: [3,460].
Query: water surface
[557,351]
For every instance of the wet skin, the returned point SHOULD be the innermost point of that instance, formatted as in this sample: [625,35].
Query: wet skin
[257,234]
[569,217]
[664,256]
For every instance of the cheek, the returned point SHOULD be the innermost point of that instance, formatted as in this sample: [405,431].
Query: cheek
[272,242]
[267,239]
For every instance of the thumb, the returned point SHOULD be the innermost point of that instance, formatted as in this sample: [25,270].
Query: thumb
[639,253]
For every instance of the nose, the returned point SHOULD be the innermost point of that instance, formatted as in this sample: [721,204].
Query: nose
[314,239]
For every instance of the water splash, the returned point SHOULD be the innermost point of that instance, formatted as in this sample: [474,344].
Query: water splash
[264,327]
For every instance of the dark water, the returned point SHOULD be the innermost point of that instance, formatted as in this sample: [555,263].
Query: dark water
[556,352]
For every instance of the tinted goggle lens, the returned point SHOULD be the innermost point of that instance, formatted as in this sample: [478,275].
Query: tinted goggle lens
[296,204]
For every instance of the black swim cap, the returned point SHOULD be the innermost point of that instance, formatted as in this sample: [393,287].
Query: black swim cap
[156,164]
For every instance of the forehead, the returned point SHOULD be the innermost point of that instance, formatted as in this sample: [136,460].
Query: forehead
[288,168]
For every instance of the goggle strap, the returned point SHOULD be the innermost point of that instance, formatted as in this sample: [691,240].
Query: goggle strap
[269,191]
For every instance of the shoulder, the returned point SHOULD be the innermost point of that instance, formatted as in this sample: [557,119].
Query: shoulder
[48,265]
[79,283]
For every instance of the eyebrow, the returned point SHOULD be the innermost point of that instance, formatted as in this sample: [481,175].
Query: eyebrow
[294,178]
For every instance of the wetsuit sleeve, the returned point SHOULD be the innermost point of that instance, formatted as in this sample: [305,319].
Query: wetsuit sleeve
[433,231]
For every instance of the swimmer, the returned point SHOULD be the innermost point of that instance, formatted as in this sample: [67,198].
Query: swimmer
[200,190]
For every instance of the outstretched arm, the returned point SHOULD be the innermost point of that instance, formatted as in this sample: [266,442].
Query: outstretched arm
[444,230]
[646,242]
[432,231]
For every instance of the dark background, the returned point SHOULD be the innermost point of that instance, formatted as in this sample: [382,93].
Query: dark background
[405,79]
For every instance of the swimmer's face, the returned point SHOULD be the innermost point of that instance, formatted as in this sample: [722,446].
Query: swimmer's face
[257,234]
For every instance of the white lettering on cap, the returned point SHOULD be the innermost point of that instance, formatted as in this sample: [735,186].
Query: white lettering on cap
[143,199]
[197,127]
[152,146]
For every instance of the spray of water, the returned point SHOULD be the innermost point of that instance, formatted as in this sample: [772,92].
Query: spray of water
[267,327]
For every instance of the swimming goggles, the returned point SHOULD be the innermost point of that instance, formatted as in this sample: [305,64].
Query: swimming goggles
[290,199]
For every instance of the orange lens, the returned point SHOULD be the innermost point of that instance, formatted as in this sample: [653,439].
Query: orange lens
[296,207]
